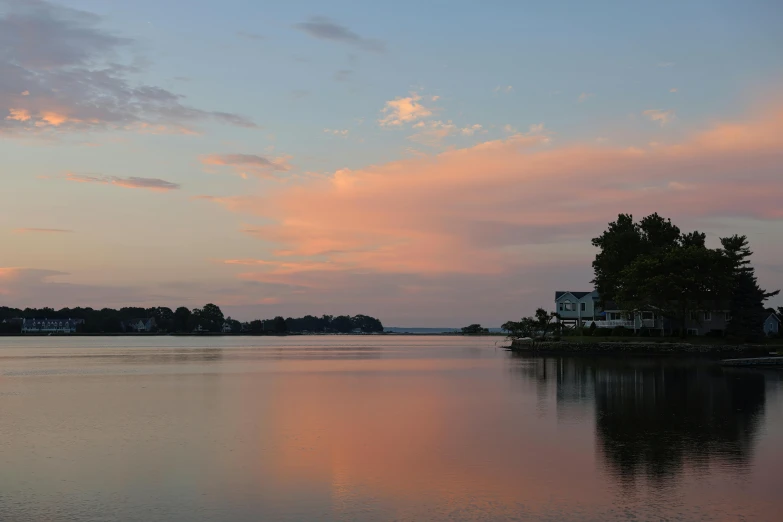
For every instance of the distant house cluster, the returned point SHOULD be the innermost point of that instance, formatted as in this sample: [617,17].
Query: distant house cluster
[582,309]
[144,325]
[50,325]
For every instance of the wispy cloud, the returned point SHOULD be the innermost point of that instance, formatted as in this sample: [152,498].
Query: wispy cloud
[66,79]
[43,230]
[154,184]
[337,132]
[326,29]
[535,129]
[585,96]
[404,110]
[432,133]
[470,130]
[244,164]
[250,36]
[660,116]
[673,89]
[504,89]
[343,75]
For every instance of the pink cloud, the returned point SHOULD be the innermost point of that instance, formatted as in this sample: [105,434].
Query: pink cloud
[484,209]
[244,164]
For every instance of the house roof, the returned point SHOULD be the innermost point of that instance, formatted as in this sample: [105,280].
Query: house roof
[577,295]
[773,314]
[142,319]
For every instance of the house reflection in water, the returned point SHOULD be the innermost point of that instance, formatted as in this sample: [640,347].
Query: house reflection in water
[654,417]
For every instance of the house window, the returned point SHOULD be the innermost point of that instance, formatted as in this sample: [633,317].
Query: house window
[562,307]
[707,316]
[728,316]
[647,316]
[693,331]
[583,306]
[568,306]
[694,316]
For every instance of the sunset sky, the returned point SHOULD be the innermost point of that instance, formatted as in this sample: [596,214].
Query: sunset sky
[428,163]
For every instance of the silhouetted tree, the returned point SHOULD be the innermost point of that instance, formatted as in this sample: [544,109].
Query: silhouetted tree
[183,320]
[279,325]
[209,318]
[474,329]
[747,298]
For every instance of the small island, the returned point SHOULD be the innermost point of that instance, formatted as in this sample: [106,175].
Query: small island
[658,290]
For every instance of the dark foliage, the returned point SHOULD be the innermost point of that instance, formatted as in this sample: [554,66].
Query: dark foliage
[474,329]
[652,265]
[182,320]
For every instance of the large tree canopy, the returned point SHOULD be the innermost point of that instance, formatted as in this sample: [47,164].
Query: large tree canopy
[653,265]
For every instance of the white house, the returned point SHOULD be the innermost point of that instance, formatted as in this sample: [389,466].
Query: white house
[139,325]
[772,324]
[577,307]
[49,326]
[582,309]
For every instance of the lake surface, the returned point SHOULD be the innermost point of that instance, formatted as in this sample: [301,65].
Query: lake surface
[378,428]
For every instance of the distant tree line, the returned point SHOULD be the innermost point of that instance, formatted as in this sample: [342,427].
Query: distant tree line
[208,318]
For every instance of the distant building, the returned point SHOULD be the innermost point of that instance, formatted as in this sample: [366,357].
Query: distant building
[772,324]
[582,309]
[50,325]
[226,327]
[145,325]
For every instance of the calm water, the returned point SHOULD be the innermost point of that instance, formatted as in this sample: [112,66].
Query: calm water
[377,428]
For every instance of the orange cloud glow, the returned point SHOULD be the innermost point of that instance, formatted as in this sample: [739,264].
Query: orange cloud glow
[53,118]
[483,209]
[18,115]
[404,110]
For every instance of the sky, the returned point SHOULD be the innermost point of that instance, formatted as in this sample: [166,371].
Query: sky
[430,163]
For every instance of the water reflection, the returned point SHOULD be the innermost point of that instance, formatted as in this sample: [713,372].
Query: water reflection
[654,417]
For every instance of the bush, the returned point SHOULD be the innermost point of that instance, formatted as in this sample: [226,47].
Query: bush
[591,330]
[714,333]
[620,331]
[644,332]
[602,332]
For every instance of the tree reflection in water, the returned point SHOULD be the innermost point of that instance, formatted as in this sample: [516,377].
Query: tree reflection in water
[655,416]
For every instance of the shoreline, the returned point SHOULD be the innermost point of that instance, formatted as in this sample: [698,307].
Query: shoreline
[221,334]
[639,348]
